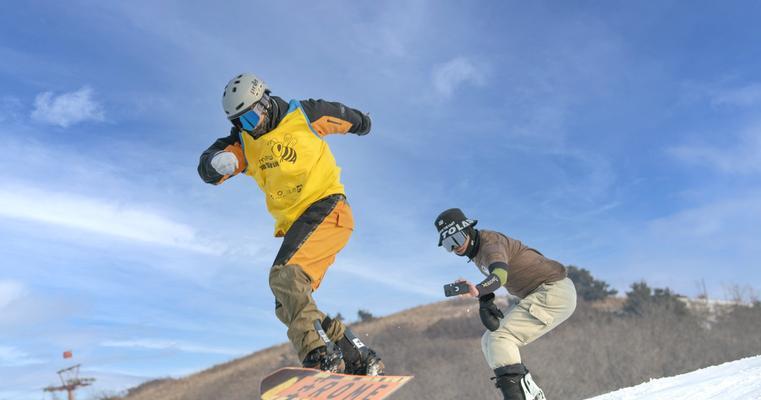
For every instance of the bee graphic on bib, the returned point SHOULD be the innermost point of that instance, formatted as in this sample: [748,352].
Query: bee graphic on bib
[284,151]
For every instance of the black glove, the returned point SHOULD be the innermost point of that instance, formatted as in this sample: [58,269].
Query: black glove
[367,125]
[489,313]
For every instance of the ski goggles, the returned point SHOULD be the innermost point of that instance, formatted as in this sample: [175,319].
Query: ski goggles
[251,118]
[454,241]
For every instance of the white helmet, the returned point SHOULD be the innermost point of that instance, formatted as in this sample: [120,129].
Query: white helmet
[241,93]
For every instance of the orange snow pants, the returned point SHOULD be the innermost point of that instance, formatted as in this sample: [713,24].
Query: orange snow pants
[309,247]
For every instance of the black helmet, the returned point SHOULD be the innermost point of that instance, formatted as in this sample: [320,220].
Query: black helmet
[452,221]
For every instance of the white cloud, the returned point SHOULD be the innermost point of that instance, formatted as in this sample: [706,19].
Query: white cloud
[408,281]
[724,93]
[12,357]
[731,220]
[9,108]
[447,77]
[716,241]
[21,307]
[742,158]
[744,96]
[9,292]
[67,109]
[393,32]
[99,216]
[161,344]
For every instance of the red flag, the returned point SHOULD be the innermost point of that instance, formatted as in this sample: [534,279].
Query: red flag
[67,354]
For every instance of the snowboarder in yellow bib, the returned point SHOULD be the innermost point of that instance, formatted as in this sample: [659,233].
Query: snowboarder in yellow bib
[280,145]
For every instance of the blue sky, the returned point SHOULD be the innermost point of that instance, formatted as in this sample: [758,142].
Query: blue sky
[621,137]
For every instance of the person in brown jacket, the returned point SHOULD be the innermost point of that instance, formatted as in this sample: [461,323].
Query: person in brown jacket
[547,297]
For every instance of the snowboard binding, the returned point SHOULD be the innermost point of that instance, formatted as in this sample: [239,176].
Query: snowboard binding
[357,357]
[364,361]
[326,358]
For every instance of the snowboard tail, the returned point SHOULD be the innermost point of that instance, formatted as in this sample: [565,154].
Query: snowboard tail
[313,384]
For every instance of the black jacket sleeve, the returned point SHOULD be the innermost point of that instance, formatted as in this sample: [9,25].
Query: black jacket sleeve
[496,279]
[205,170]
[329,117]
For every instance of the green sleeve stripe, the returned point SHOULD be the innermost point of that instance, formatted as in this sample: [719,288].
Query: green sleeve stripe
[501,273]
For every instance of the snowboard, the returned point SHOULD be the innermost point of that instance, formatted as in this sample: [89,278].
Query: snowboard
[313,384]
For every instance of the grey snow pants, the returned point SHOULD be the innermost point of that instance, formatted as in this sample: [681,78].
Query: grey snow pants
[541,311]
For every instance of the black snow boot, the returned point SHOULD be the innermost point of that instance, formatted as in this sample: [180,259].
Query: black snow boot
[510,385]
[321,358]
[358,358]
[516,383]
[360,361]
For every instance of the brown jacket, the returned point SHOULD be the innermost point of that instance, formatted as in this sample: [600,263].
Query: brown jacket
[527,268]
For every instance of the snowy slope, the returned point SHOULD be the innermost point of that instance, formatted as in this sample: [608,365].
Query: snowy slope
[736,380]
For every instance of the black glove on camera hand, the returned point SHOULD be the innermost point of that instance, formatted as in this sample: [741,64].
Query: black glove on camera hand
[489,313]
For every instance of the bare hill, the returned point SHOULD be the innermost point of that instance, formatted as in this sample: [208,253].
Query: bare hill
[598,350]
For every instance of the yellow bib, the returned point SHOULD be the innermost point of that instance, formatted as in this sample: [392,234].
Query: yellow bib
[293,166]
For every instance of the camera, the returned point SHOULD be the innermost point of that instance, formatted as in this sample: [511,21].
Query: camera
[456,289]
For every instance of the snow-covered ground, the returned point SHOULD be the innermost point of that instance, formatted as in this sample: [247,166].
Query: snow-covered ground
[736,380]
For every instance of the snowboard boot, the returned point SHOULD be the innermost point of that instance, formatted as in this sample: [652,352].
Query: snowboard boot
[322,359]
[358,358]
[516,383]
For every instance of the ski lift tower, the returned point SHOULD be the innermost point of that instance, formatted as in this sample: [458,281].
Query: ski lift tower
[70,382]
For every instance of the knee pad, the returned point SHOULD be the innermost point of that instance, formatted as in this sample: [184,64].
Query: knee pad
[287,276]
